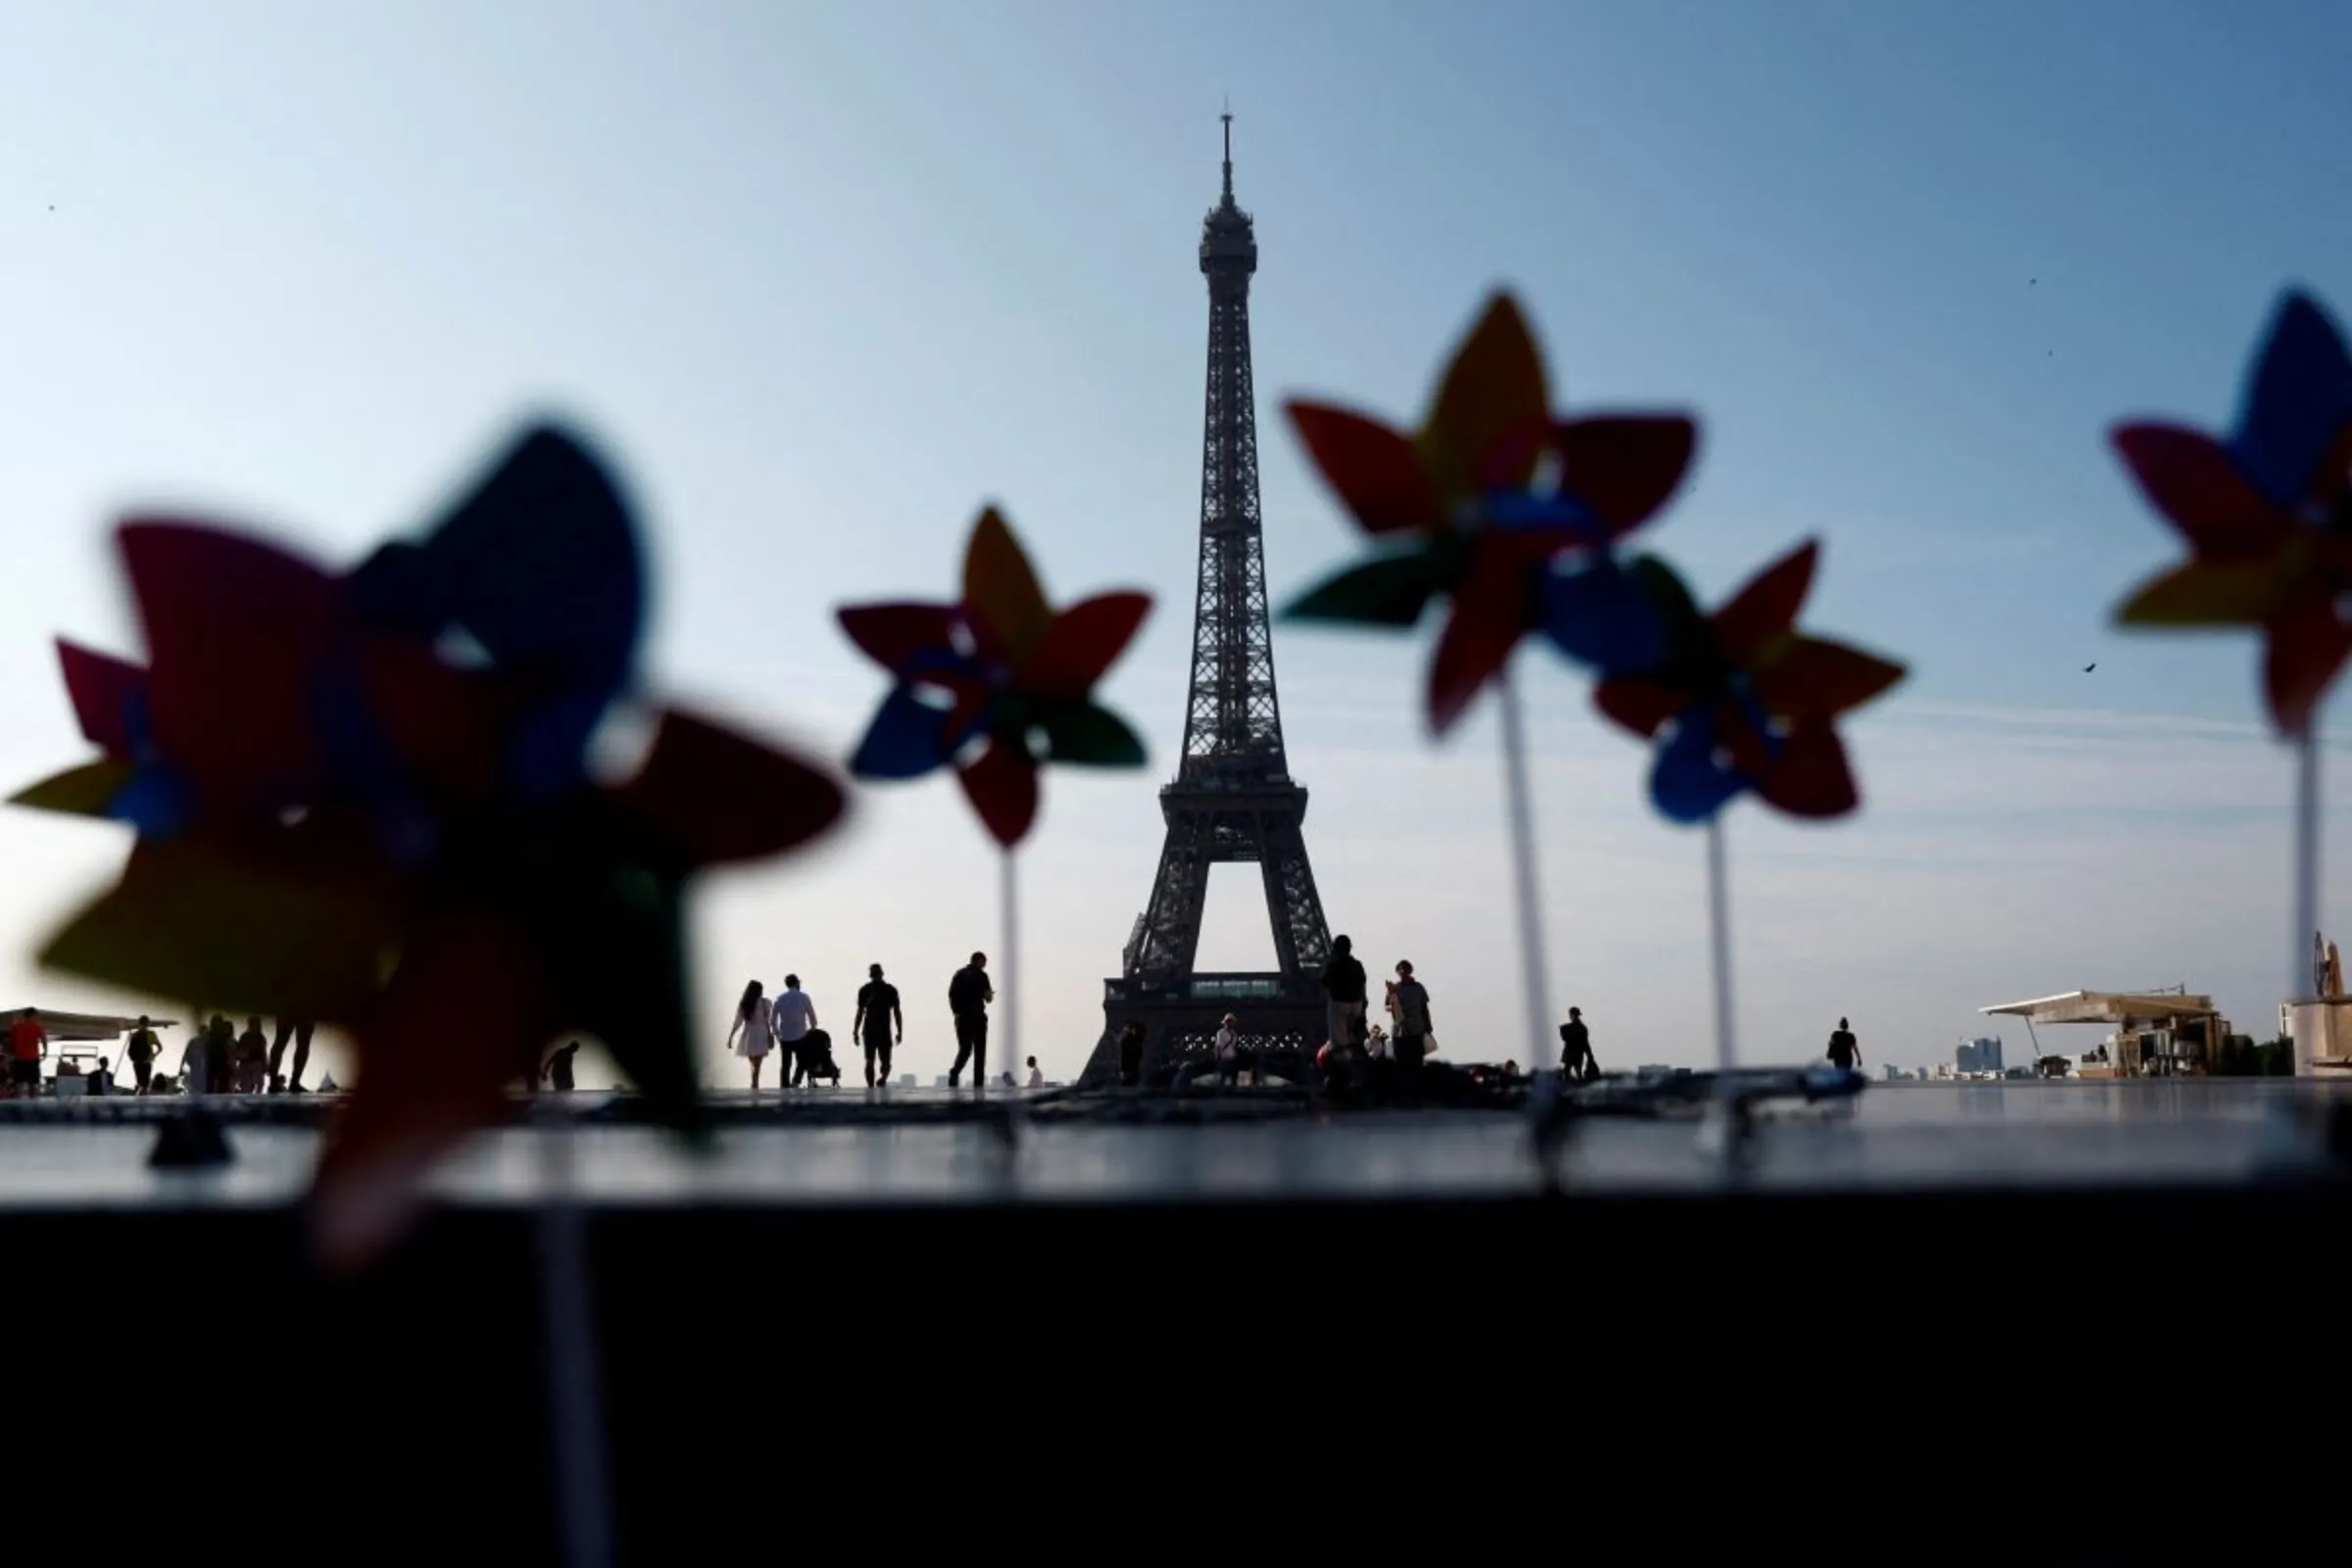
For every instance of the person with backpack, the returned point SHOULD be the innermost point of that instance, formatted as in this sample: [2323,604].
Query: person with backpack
[1577,1063]
[1845,1050]
[968,996]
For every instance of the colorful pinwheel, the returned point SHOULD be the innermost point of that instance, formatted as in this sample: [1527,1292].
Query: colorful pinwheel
[2266,513]
[1489,491]
[997,684]
[339,820]
[1746,701]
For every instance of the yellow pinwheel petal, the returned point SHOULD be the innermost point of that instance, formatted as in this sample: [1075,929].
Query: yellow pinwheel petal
[2203,593]
[1002,591]
[1494,388]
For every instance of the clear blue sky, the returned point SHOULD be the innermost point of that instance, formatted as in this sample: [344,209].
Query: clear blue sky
[826,277]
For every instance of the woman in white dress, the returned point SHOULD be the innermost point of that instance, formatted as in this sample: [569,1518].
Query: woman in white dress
[754,1026]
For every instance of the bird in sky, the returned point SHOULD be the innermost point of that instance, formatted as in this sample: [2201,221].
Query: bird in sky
[2087,668]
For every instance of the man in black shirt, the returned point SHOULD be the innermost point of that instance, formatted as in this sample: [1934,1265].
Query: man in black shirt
[968,996]
[1575,1048]
[878,1018]
[1344,994]
[1845,1050]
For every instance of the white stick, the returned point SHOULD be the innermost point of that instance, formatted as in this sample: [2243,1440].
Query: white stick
[1008,1003]
[1719,915]
[574,1403]
[1523,857]
[2307,855]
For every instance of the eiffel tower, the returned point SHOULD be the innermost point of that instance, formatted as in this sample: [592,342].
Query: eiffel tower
[1233,798]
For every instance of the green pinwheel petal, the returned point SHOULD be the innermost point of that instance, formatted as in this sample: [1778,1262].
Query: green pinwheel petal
[1386,591]
[1088,736]
[1688,643]
[85,791]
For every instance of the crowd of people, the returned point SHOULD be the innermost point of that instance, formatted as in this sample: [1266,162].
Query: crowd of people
[218,1060]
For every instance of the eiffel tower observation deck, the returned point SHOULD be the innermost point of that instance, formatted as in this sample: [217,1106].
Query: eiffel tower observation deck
[1233,798]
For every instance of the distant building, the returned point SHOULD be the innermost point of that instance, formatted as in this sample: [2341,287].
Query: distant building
[906,1080]
[2287,1021]
[1977,1055]
[1653,1069]
[1890,1072]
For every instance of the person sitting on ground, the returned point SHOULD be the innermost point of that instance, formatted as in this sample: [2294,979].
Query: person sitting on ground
[99,1080]
[558,1068]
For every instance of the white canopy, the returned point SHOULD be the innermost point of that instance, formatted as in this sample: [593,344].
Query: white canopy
[67,1026]
[2104,1007]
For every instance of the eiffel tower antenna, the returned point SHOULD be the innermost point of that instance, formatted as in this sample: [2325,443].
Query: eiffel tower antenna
[1233,798]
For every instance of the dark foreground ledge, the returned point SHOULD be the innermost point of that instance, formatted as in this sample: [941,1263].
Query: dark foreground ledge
[962,1363]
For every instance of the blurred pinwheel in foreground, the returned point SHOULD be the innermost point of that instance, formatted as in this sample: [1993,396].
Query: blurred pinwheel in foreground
[995,685]
[1489,491]
[343,816]
[2267,513]
[1746,701]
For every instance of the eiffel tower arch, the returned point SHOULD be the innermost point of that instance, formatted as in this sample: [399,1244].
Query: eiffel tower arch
[1233,798]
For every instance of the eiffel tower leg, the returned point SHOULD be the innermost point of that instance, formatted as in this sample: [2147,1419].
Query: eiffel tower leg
[1302,937]
[1170,932]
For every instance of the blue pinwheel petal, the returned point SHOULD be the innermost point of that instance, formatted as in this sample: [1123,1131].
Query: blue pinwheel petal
[1518,510]
[905,740]
[154,801]
[1599,615]
[540,566]
[1686,782]
[2297,401]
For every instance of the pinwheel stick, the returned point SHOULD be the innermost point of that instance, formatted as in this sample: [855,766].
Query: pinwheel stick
[1719,920]
[1523,858]
[1008,1006]
[574,1403]
[2307,852]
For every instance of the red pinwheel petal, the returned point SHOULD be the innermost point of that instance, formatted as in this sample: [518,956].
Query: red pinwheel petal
[235,631]
[716,796]
[1624,467]
[2192,479]
[1767,607]
[2307,645]
[1083,642]
[1640,705]
[467,1014]
[1002,784]
[1494,605]
[1816,678]
[1374,470]
[450,728]
[1811,778]
[102,689]
[892,634]
[1493,388]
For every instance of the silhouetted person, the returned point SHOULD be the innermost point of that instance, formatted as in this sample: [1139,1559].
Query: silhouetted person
[1343,996]
[754,1031]
[299,1031]
[796,1016]
[1414,1027]
[1845,1050]
[219,1055]
[879,1023]
[100,1079]
[142,1049]
[1575,1048]
[1037,1079]
[27,1044]
[558,1068]
[968,996]
[1131,1051]
[253,1058]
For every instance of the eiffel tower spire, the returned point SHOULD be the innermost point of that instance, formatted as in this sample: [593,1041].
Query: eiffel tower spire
[1233,798]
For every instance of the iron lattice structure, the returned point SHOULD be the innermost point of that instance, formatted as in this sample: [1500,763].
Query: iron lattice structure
[1233,798]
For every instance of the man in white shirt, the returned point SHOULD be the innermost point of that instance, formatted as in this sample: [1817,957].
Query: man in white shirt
[795,1015]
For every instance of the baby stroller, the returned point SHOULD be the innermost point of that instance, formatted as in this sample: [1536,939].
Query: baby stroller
[816,1058]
